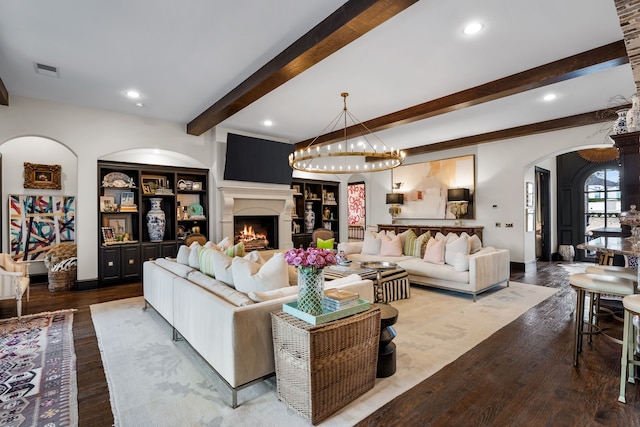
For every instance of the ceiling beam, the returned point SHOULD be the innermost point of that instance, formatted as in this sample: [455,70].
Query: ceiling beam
[588,62]
[585,119]
[4,94]
[346,24]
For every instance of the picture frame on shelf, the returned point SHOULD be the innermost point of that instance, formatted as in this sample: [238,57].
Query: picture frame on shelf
[154,182]
[47,177]
[197,186]
[121,224]
[127,198]
[108,235]
[146,189]
[296,189]
[108,204]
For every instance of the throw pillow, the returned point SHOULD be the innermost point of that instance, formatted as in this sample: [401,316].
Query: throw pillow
[193,255]
[235,250]
[221,264]
[475,244]
[420,244]
[183,255]
[205,260]
[325,244]
[461,262]
[274,294]
[450,237]
[434,253]
[403,237]
[410,241]
[390,246]
[459,245]
[371,244]
[225,243]
[249,276]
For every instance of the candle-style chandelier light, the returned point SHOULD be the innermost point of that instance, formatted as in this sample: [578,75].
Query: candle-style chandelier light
[357,155]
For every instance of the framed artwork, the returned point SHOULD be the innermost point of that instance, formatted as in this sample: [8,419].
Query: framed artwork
[37,222]
[108,236]
[153,182]
[426,185]
[45,177]
[197,186]
[530,217]
[108,204]
[529,194]
[126,198]
[146,189]
[120,224]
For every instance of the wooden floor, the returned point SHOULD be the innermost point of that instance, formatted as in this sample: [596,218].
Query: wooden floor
[523,375]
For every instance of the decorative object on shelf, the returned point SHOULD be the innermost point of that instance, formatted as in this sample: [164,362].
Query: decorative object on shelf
[326,214]
[196,211]
[197,186]
[631,218]
[310,264]
[108,204]
[156,220]
[182,185]
[45,177]
[633,115]
[620,125]
[345,157]
[309,218]
[295,228]
[118,180]
[108,236]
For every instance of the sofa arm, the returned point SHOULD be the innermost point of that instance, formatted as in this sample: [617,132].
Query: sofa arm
[350,247]
[489,269]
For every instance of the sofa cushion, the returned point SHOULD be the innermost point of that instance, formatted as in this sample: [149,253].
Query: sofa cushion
[390,246]
[434,253]
[249,276]
[174,267]
[205,260]
[417,267]
[325,244]
[409,242]
[235,250]
[273,294]
[193,255]
[420,245]
[183,255]
[475,244]
[220,289]
[222,265]
[455,246]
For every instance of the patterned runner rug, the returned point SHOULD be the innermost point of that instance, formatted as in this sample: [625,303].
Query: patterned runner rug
[38,371]
[154,381]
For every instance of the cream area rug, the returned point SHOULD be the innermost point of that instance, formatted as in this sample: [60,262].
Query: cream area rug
[154,381]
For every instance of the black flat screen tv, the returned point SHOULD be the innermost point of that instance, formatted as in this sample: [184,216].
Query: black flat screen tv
[257,160]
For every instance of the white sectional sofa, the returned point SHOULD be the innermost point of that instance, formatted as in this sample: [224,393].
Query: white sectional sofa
[226,327]
[473,272]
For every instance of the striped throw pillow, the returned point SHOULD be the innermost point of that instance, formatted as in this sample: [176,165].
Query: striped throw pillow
[409,242]
[420,244]
[235,250]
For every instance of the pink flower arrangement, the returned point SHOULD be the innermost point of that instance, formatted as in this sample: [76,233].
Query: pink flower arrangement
[311,257]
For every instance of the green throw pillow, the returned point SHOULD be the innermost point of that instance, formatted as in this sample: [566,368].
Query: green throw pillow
[325,244]
[235,250]
[205,260]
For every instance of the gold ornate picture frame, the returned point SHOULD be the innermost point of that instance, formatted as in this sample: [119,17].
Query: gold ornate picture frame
[46,177]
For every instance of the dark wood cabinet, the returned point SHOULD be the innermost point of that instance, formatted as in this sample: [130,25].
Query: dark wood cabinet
[127,192]
[320,198]
[444,229]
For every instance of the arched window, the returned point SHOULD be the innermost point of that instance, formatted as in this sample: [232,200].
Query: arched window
[602,200]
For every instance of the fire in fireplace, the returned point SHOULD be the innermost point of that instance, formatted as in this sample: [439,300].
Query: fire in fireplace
[256,232]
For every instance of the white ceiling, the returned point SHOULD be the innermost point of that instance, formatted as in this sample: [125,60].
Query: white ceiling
[184,56]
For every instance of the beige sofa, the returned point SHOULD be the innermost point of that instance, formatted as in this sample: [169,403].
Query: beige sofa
[229,330]
[471,274]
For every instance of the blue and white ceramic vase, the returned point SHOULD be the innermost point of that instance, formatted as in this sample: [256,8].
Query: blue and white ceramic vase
[309,218]
[156,220]
[620,125]
[310,290]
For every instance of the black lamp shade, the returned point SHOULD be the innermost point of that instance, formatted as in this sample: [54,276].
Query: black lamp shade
[458,194]
[395,198]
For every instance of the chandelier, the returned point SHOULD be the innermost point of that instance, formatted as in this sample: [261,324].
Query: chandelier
[344,156]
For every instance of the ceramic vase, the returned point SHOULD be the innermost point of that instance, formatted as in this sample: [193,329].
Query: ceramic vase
[620,125]
[633,115]
[156,220]
[310,290]
[309,218]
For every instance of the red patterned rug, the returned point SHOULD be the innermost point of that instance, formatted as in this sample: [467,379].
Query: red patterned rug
[38,371]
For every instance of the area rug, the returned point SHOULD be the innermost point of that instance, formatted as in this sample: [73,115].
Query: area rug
[38,371]
[154,381]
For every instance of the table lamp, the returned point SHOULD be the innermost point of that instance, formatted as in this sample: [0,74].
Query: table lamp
[459,199]
[395,200]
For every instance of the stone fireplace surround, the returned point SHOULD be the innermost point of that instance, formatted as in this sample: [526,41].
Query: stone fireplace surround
[258,201]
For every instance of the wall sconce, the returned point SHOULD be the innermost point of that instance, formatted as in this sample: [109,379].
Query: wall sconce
[395,199]
[459,199]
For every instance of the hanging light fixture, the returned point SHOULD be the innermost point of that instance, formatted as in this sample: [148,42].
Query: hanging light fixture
[347,156]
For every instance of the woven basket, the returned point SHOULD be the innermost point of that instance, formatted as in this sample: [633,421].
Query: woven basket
[319,369]
[62,280]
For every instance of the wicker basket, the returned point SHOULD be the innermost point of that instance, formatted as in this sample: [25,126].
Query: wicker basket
[320,369]
[63,280]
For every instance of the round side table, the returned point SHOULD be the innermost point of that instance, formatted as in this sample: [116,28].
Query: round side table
[387,349]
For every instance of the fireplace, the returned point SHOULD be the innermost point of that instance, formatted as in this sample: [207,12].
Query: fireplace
[256,232]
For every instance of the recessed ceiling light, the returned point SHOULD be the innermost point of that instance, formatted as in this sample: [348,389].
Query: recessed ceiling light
[267,123]
[133,94]
[472,28]
[549,97]
[139,104]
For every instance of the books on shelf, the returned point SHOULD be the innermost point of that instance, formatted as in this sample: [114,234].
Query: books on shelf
[338,299]
[128,208]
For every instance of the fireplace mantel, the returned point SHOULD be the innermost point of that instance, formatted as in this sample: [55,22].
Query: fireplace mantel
[249,201]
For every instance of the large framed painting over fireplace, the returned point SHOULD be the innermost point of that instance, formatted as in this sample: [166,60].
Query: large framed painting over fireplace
[438,189]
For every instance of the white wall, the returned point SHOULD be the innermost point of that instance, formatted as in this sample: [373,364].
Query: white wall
[92,135]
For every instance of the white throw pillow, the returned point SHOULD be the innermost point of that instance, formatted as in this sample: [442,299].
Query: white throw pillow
[451,249]
[390,246]
[371,244]
[403,236]
[475,244]
[249,276]
[461,262]
[193,255]
[274,294]
[221,264]
[183,255]
[450,237]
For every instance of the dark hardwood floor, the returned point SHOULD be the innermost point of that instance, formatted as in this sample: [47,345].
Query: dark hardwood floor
[523,375]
